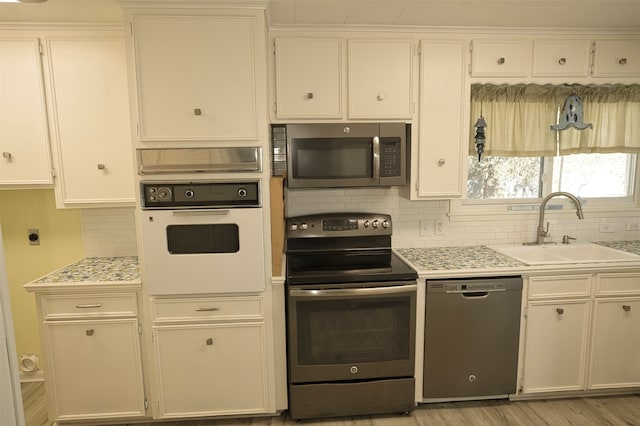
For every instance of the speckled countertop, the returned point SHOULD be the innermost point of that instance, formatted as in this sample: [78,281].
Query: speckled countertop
[481,259]
[94,270]
[628,246]
[444,258]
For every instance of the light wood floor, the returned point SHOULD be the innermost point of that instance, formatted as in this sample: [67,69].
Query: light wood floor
[600,411]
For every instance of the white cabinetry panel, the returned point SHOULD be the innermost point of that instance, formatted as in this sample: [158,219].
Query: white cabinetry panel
[616,58]
[569,58]
[196,76]
[500,58]
[24,140]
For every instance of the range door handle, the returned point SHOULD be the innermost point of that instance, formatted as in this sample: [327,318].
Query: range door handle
[295,292]
[203,212]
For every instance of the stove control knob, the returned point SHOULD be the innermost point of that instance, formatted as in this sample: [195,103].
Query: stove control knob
[376,223]
[386,224]
[189,193]
[303,226]
[293,227]
[366,223]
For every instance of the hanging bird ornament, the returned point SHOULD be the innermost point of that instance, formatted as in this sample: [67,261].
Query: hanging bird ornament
[572,115]
[480,137]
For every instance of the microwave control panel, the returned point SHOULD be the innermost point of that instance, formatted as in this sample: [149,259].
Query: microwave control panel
[175,195]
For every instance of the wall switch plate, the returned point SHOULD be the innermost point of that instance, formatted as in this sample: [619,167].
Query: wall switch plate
[438,227]
[606,227]
[633,226]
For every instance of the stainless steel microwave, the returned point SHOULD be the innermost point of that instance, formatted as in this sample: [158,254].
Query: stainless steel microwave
[342,154]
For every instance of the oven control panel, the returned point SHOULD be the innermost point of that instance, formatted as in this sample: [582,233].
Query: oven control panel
[172,195]
[339,225]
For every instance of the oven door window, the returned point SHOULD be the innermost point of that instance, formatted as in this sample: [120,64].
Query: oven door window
[330,158]
[204,238]
[355,330]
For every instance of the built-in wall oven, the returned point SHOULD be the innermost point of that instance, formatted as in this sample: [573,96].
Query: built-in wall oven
[351,317]
[202,237]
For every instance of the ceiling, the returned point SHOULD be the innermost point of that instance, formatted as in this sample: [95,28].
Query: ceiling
[570,14]
[476,13]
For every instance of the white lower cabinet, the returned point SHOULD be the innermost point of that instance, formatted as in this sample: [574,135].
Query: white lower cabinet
[581,333]
[210,357]
[556,345]
[92,356]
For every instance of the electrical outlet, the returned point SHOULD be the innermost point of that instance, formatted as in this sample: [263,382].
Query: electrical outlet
[34,237]
[438,227]
[426,227]
[606,227]
[633,226]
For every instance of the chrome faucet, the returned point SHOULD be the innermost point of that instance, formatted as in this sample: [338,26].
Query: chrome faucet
[543,232]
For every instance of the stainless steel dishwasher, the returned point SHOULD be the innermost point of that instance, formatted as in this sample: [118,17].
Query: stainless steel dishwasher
[471,342]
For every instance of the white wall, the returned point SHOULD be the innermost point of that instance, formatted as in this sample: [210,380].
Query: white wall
[109,232]
[406,216]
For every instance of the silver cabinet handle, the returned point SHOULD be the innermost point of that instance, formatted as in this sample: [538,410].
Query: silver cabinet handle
[501,61]
[441,162]
[626,308]
[209,341]
[562,61]
[197,111]
[560,311]
[381,96]
[376,157]
[203,212]
[89,305]
[101,166]
[6,155]
[89,332]
[309,95]
[623,61]
[207,309]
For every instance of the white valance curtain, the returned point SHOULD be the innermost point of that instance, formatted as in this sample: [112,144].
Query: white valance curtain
[519,119]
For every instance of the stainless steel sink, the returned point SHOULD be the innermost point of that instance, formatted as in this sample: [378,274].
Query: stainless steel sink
[550,254]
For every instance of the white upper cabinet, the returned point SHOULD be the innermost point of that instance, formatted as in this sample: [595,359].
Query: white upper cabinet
[553,58]
[337,78]
[308,78]
[500,58]
[196,76]
[380,78]
[24,140]
[616,58]
[90,126]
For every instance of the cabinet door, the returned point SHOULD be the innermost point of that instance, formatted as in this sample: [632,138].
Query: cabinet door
[211,369]
[94,369]
[92,134]
[443,102]
[196,76]
[380,73]
[615,357]
[555,346]
[500,58]
[24,141]
[308,78]
[616,58]
[567,58]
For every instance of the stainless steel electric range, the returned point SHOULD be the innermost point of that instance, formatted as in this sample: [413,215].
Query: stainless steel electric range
[351,317]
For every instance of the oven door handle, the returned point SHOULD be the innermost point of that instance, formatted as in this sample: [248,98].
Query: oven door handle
[369,291]
[203,212]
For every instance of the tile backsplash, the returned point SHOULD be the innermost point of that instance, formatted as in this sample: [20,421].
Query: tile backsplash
[408,216]
[109,232]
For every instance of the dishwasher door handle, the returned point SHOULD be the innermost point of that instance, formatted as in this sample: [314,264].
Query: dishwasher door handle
[475,293]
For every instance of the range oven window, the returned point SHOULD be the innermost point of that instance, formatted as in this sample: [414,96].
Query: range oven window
[342,331]
[332,158]
[203,238]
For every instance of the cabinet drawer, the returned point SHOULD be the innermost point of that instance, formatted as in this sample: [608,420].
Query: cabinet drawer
[559,286]
[219,308]
[500,58]
[561,58]
[617,284]
[616,58]
[89,305]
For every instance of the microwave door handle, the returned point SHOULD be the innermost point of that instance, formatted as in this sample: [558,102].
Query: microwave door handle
[376,158]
